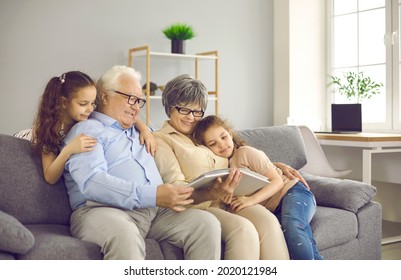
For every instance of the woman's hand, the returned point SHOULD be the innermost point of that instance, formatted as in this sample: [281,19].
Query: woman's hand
[227,198]
[223,190]
[290,172]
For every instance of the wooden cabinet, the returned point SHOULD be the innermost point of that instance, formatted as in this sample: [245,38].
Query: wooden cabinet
[149,56]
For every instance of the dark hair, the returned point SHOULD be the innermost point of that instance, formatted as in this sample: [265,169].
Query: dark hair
[203,125]
[47,134]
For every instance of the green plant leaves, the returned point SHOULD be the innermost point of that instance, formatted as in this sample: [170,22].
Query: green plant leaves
[356,85]
[179,31]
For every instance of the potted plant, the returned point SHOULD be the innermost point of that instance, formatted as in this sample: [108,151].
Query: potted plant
[355,86]
[178,33]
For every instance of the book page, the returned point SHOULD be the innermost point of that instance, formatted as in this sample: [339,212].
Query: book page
[250,181]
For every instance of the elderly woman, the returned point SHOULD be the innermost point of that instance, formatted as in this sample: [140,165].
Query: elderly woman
[252,233]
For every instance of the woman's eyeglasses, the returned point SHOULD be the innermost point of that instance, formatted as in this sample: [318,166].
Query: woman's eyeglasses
[186,111]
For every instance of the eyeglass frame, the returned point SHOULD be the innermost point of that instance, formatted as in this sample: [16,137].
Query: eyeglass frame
[179,110]
[136,99]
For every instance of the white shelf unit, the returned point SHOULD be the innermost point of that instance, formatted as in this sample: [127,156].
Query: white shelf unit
[144,51]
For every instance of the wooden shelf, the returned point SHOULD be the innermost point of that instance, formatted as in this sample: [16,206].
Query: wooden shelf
[175,56]
[147,54]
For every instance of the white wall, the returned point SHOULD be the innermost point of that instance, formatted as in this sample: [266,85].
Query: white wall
[42,39]
[300,62]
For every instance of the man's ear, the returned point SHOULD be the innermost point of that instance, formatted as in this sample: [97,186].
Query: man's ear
[104,97]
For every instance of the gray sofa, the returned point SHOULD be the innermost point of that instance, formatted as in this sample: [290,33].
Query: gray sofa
[34,216]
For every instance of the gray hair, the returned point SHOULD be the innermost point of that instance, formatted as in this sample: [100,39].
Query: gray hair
[184,90]
[109,79]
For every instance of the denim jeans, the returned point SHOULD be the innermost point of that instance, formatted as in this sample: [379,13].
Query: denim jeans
[295,211]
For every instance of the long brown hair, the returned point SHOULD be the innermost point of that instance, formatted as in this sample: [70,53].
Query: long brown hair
[203,125]
[48,124]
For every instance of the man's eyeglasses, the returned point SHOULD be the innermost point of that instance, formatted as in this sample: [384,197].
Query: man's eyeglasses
[186,111]
[132,99]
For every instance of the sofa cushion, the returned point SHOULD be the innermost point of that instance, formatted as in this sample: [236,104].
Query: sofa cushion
[332,227]
[280,143]
[170,251]
[344,194]
[54,242]
[6,256]
[24,192]
[14,237]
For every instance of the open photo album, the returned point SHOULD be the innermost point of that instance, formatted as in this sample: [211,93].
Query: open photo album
[250,181]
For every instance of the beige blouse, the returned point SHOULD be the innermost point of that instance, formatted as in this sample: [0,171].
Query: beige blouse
[179,160]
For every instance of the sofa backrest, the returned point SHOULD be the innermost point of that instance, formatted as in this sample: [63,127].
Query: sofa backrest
[24,193]
[280,143]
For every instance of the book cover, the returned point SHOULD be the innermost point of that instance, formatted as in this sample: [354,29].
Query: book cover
[250,181]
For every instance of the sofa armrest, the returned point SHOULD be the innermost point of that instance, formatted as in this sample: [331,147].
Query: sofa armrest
[340,193]
[14,236]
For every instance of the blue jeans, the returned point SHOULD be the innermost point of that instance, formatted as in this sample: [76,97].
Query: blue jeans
[295,211]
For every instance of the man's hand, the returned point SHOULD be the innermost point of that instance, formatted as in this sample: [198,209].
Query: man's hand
[173,197]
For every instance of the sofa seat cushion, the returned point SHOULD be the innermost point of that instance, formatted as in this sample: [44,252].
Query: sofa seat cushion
[332,227]
[6,256]
[14,236]
[170,251]
[54,242]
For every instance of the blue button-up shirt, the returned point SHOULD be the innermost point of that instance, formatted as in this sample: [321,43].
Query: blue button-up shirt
[118,172]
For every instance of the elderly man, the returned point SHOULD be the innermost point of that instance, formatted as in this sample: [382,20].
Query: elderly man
[116,191]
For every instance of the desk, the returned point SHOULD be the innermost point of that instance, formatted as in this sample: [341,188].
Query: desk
[371,143]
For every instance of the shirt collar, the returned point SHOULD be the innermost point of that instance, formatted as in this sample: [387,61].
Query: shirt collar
[107,120]
[168,129]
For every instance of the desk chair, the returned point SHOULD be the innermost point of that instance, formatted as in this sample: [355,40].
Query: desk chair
[317,162]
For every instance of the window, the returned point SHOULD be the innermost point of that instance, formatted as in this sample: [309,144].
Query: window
[364,37]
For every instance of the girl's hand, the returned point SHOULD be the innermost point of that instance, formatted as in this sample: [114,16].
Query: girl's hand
[81,143]
[290,172]
[241,202]
[147,138]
